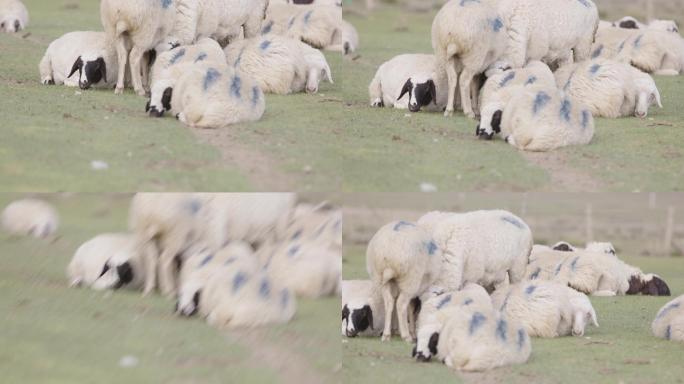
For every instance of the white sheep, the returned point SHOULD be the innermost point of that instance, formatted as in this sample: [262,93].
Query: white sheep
[592,246]
[501,87]
[629,22]
[86,52]
[482,340]
[543,119]
[467,37]
[14,16]
[609,88]
[136,27]
[435,311]
[279,65]
[318,26]
[216,98]
[482,247]
[555,31]
[403,261]
[669,322]
[654,51]
[664,25]
[30,217]
[408,81]
[546,308]
[337,3]
[127,266]
[363,312]
[321,223]
[346,40]
[611,41]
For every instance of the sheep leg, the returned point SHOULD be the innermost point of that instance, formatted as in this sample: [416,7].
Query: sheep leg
[136,57]
[412,320]
[388,298]
[122,54]
[517,42]
[145,67]
[150,265]
[466,81]
[167,284]
[452,80]
[403,301]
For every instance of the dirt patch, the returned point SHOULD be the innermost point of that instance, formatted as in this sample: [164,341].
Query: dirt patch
[564,178]
[261,170]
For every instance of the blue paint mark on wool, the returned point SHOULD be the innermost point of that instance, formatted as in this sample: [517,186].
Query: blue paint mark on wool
[530,289]
[476,322]
[293,250]
[667,309]
[202,56]
[307,17]
[501,329]
[586,116]
[166,3]
[594,69]
[238,281]
[497,24]
[256,95]
[205,261]
[402,224]
[558,268]
[505,302]
[531,80]
[573,265]
[468,302]
[585,3]
[239,59]
[284,298]
[464,2]
[597,52]
[446,300]
[622,46]
[296,235]
[521,338]
[264,45]
[565,110]
[510,76]
[235,86]
[431,248]
[535,274]
[177,56]
[290,23]
[267,29]
[637,42]
[540,101]
[668,332]
[210,78]
[514,221]
[265,288]
[230,260]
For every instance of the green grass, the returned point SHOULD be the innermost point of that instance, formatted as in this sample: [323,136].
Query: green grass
[626,154]
[622,349]
[51,333]
[50,135]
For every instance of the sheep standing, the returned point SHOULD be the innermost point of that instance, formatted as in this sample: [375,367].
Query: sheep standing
[279,64]
[408,81]
[481,247]
[609,88]
[140,25]
[403,260]
[363,312]
[29,217]
[14,16]
[546,308]
[467,37]
[669,322]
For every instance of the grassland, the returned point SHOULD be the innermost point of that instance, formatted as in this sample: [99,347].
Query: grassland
[54,334]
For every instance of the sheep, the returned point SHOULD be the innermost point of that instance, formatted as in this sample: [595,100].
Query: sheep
[546,308]
[402,260]
[317,26]
[126,266]
[202,264]
[482,340]
[592,246]
[14,16]
[609,88]
[337,3]
[170,65]
[407,81]
[482,247]
[542,119]
[346,40]
[669,322]
[664,25]
[362,309]
[86,52]
[436,310]
[467,37]
[321,223]
[629,22]
[89,261]
[649,50]
[30,217]
[501,87]
[215,98]
[611,41]
[239,299]
[136,27]
[279,64]
[555,32]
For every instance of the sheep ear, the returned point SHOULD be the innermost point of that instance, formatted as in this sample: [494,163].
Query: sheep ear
[496,121]
[166,98]
[328,74]
[657,97]
[406,89]
[593,318]
[432,344]
[433,91]
[78,65]
[103,68]
[369,312]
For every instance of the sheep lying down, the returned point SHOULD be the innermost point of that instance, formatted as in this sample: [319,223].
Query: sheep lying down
[669,322]
[29,217]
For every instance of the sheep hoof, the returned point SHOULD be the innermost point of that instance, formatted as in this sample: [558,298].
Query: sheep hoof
[385,338]
[448,113]
[48,82]
[118,91]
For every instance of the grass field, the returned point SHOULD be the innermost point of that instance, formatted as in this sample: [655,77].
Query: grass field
[51,333]
[409,149]
[51,135]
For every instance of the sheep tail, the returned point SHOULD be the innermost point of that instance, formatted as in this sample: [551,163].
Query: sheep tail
[121,28]
[387,275]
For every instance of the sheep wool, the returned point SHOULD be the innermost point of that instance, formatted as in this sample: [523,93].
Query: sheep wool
[669,322]
[29,217]
[318,26]
[14,16]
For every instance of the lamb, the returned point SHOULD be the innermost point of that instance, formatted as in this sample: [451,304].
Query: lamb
[500,88]
[14,16]
[136,27]
[86,52]
[362,309]
[543,119]
[317,26]
[546,308]
[467,37]
[407,81]
[482,340]
[435,311]
[279,64]
[403,261]
[609,88]
[30,217]
[201,100]
[481,247]
[669,322]
[554,32]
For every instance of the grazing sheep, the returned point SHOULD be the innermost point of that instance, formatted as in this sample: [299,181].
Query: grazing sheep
[482,247]
[403,261]
[500,88]
[408,81]
[467,37]
[136,26]
[14,16]
[545,308]
[543,119]
[88,53]
[669,322]
[127,266]
[435,311]
[363,312]
[555,31]
[482,340]
[317,26]
[609,88]
[29,217]
[201,100]
[346,41]
[279,64]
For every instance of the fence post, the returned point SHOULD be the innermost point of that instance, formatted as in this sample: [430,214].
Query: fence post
[669,230]
[589,222]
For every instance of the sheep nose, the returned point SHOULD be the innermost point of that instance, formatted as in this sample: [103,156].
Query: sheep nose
[17,26]
[351,333]
[640,115]
[485,136]
[414,107]
[422,358]
[84,85]
[154,112]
